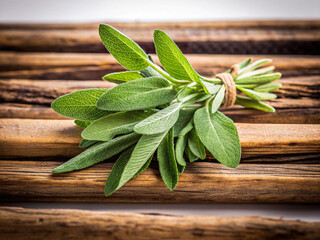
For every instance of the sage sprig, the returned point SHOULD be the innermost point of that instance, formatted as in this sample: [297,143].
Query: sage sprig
[170,112]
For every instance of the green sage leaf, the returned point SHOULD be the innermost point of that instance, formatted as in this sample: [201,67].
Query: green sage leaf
[104,129]
[137,94]
[144,167]
[167,162]
[245,63]
[251,103]
[269,87]
[182,143]
[266,78]
[121,77]
[185,116]
[160,121]
[257,72]
[82,124]
[190,155]
[123,49]
[195,145]
[98,153]
[254,65]
[86,143]
[181,169]
[142,152]
[219,135]
[80,105]
[172,59]
[113,180]
[210,88]
[257,95]
[218,99]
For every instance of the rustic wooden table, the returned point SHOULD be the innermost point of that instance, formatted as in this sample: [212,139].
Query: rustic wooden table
[280,161]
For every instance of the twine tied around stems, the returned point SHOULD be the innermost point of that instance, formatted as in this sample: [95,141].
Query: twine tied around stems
[231,91]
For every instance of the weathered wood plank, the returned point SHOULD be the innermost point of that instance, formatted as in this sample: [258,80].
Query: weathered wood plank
[29,61]
[17,223]
[247,37]
[202,182]
[302,112]
[48,138]
[17,110]
[44,92]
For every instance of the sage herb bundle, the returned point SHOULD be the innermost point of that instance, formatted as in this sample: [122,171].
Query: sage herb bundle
[168,112]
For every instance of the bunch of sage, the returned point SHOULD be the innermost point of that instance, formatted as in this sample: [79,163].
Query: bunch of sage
[169,112]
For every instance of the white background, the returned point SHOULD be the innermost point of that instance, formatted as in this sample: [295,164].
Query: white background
[164,10]
[160,10]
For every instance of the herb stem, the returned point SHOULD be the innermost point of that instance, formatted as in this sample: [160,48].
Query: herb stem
[211,80]
[166,75]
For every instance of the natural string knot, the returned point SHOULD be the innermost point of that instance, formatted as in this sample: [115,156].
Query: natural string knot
[231,91]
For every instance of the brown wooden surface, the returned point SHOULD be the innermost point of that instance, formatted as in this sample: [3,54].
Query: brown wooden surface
[291,37]
[88,66]
[48,138]
[280,162]
[44,92]
[300,111]
[202,182]
[17,223]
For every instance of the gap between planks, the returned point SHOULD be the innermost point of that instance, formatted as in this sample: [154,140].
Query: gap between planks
[202,182]
[207,37]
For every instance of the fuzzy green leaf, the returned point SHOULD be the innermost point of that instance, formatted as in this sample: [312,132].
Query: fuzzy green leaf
[210,88]
[82,124]
[144,167]
[260,71]
[159,122]
[123,49]
[257,95]
[245,63]
[113,181]
[182,143]
[98,153]
[251,103]
[218,99]
[219,135]
[190,155]
[104,129]
[167,162]
[150,72]
[86,143]
[266,78]
[195,145]
[142,152]
[255,65]
[185,116]
[80,105]
[137,94]
[269,87]
[121,77]
[172,59]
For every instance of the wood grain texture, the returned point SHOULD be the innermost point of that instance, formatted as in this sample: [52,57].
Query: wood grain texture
[225,37]
[202,182]
[48,138]
[88,66]
[16,223]
[302,112]
[44,92]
